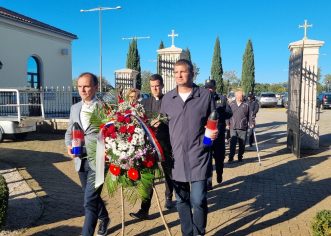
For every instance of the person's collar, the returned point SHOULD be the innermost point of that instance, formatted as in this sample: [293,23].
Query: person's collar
[195,92]
[89,103]
[159,97]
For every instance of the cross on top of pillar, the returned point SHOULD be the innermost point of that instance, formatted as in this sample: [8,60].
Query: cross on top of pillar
[172,35]
[305,26]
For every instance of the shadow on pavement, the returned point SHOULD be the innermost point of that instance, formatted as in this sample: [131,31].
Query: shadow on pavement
[61,230]
[61,197]
[285,189]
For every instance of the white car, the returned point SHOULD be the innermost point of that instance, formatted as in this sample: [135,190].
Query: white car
[267,99]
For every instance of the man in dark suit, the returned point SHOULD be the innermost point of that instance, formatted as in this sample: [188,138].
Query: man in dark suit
[254,108]
[218,149]
[152,107]
[93,204]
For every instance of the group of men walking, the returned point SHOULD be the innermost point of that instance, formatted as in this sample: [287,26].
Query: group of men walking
[188,165]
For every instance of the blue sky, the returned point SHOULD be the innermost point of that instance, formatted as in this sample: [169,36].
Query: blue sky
[271,25]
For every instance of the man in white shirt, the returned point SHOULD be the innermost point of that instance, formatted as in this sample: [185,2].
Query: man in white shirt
[93,204]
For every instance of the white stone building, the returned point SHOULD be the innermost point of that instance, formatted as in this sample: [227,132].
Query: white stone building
[166,60]
[32,53]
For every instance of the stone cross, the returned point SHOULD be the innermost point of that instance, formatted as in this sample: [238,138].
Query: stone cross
[305,26]
[173,35]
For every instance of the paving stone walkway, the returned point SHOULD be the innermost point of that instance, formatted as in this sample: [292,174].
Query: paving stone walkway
[280,197]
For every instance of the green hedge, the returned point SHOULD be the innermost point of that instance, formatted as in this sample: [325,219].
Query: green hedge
[4,193]
[321,224]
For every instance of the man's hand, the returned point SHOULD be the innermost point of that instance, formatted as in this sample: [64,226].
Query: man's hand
[69,152]
[155,123]
[214,134]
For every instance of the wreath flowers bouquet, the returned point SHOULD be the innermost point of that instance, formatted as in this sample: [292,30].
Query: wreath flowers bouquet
[127,148]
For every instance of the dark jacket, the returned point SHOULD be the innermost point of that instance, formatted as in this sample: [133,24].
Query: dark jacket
[253,108]
[241,116]
[152,108]
[187,122]
[223,109]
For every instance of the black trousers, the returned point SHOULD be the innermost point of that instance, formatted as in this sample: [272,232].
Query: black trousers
[250,137]
[218,152]
[169,187]
[240,136]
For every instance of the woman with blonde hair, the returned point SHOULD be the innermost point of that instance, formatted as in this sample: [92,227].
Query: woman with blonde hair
[132,95]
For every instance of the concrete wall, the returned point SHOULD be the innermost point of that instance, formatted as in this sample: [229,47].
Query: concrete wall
[18,42]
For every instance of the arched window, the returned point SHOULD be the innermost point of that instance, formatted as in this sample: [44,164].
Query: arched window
[33,72]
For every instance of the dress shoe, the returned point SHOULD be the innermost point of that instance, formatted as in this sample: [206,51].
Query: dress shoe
[219,179]
[140,215]
[103,227]
[230,160]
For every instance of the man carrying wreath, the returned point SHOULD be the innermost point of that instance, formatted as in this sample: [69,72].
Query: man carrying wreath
[94,206]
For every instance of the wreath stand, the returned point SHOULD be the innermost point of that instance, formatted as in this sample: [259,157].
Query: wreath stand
[158,204]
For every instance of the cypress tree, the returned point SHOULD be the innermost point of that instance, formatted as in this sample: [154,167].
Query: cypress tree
[133,61]
[216,67]
[161,45]
[248,69]
[188,52]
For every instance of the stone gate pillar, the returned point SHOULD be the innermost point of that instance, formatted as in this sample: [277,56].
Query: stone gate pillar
[308,125]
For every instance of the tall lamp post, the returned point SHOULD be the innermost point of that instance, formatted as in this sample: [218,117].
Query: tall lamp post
[100,9]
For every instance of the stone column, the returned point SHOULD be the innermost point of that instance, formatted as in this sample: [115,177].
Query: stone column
[166,59]
[308,125]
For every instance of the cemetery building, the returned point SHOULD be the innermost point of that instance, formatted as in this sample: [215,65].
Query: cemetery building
[32,53]
[166,60]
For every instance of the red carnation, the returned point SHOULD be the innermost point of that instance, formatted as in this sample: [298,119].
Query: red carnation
[129,139]
[120,100]
[120,118]
[101,126]
[123,129]
[128,112]
[113,135]
[149,161]
[127,119]
[131,129]
[112,129]
[115,170]
[133,174]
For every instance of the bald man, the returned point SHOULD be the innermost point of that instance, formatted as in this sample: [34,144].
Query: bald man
[239,123]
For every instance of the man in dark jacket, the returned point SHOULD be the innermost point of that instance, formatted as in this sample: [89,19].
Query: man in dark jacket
[254,108]
[224,113]
[239,123]
[152,107]
[188,107]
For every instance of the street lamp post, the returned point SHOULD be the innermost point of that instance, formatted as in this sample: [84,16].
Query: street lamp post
[100,9]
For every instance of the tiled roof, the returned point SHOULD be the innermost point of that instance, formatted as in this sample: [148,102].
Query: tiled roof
[29,21]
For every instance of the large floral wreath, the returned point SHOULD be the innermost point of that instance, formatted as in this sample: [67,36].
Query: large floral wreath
[131,151]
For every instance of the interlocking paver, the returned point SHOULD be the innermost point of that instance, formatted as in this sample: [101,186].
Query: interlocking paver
[280,197]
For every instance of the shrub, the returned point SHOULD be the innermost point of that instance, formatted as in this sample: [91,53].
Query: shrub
[4,193]
[321,224]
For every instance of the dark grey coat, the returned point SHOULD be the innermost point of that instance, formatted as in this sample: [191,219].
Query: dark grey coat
[186,127]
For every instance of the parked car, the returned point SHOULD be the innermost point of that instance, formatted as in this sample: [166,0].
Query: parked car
[267,99]
[324,100]
[285,100]
[231,96]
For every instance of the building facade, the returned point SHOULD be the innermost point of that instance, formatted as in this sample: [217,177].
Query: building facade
[32,53]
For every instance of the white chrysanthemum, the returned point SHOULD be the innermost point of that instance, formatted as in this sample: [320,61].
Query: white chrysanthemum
[134,142]
[131,150]
[116,152]
[135,137]
[123,155]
